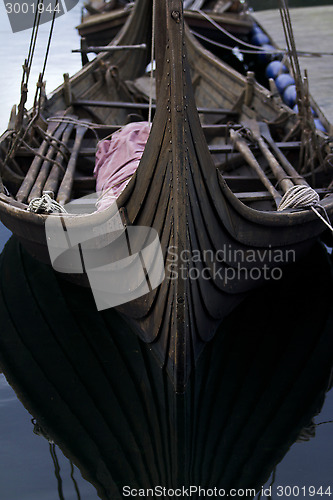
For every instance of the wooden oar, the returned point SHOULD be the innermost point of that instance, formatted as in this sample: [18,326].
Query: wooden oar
[64,193]
[276,168]
[53,179]
[30,178]
[296,177]
[37,188]
[244,149]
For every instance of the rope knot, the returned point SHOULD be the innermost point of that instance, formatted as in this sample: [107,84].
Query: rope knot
[45,205]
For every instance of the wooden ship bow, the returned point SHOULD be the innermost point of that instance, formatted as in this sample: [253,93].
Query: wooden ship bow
[174,193]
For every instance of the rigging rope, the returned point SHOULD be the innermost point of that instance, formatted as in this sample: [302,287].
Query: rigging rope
[255,48]
[33,41]
[310,148]
[259,50]
[28,63]
[291,45]
[41,76]
[25,80]
[43,157]
[50,36]
[152,62]
[227,33]
[26,74]
[74,121]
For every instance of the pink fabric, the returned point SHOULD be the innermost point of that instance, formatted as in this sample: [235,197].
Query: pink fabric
[117,159]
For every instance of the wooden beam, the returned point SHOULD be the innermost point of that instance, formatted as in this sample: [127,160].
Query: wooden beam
[214,149]
[265,195]
[110,48]
[145,106]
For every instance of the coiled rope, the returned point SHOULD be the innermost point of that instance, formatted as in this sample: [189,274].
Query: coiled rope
[304,197]
[46,205]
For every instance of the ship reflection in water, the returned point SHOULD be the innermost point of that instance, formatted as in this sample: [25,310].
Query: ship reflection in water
[96,391]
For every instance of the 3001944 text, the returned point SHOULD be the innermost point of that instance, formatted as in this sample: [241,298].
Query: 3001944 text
[197,491]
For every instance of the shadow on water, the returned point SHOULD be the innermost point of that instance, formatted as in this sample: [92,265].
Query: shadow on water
[94,388]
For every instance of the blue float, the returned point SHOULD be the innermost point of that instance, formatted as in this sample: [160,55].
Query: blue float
[290,95]
[275,68]
[259,39]
[319,125]
[256,29]
[295,109]
[265,57]
[282,82]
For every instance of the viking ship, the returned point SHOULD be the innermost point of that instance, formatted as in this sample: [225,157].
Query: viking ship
[104,401]
[102,20]
[230,32]
[220,155]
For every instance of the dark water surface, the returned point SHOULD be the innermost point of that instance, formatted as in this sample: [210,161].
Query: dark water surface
[253,412]
[27,470]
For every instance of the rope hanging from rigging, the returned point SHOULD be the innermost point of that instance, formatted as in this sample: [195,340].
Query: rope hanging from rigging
[37,103]
[310,149]
[19,133]
[152,61]
[27,66]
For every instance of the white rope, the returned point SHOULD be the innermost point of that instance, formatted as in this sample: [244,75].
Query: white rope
[152,62]
[72,121]
[45,205]
[228,34]
[299,197]
[304,197]
[258,50]
[326,222]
